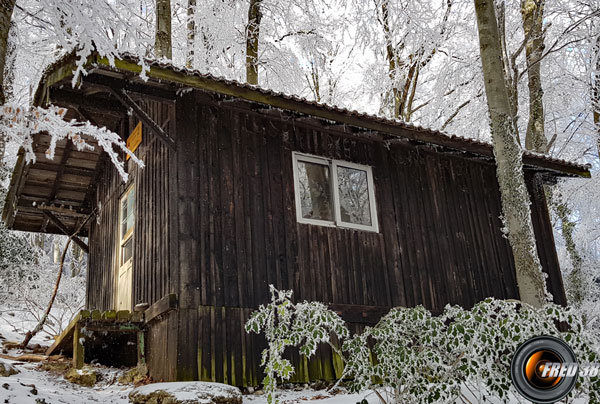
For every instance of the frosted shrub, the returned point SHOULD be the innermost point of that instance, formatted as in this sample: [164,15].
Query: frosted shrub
[285,324]
[416,357]
[411,356]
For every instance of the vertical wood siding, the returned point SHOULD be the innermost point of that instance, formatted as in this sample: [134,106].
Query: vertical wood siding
[439,241]
[151,265]
[155,272]
[216,224]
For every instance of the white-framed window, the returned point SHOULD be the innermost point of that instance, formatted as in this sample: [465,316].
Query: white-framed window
[334,193]
[126,222]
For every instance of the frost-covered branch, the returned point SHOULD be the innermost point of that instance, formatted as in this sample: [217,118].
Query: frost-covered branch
[20,124]
[285,324]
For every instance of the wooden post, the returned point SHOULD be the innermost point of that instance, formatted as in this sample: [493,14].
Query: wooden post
[141,348]
[78,349]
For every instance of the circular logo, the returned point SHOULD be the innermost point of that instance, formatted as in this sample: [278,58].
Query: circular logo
[544,369]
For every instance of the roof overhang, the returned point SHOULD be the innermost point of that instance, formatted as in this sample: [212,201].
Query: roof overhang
[65,184]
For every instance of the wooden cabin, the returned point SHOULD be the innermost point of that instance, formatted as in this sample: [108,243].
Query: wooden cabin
[245,187]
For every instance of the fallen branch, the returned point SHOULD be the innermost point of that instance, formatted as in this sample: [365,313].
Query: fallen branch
[25,358]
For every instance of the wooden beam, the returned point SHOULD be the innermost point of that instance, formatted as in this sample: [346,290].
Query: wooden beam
[128,82]
[60,170]
[124,98]
[161,307]
[56,221]
[74,100]
[83,172]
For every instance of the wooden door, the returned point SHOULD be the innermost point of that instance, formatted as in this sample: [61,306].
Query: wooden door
[125,253]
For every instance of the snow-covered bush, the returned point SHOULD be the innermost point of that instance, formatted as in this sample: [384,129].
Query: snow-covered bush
[285,324]
[413,356]
[416,357]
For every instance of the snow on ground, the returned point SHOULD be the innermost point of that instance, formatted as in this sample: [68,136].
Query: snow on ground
[35,386]
[32,386]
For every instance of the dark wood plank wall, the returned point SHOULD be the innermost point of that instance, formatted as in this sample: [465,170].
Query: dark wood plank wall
[152,269]
[102,243]
[155,259]
[545,238]
[439,239]
[216,224]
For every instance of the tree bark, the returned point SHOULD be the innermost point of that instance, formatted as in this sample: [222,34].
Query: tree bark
[576,291]
[191,33]
[509,161]
[162,42]
[392,58]
[252,40]
[6,11]
[596,92]
[532,14]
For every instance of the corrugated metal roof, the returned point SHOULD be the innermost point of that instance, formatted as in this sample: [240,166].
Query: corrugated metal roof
[354,113]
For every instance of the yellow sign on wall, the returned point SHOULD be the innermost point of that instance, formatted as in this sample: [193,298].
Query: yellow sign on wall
[135,138]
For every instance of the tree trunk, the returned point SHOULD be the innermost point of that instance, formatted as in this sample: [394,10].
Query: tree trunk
[252,39]
[191,33]
[576,291]
[6,11]
[596,92]
[509,161]
[162,41]
[392,58]
[532,14]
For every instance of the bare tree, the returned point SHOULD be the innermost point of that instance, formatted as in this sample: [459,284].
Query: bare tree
[162,41]
[252,40]
[404,72]
[509,160]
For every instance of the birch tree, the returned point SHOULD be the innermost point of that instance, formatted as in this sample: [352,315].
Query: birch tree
[509,160]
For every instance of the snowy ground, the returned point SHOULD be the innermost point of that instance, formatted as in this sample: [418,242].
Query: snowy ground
[35,386]
[32,386]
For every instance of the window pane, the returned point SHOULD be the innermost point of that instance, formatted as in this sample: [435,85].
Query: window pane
[123,228]
[315,191]
[123,209]
[354,196]
[126,251]
[127,216]
[130,201]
